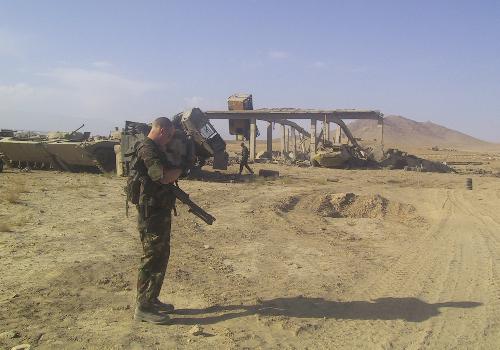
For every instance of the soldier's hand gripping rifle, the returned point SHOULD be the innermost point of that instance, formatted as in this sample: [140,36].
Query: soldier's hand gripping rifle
[193,207]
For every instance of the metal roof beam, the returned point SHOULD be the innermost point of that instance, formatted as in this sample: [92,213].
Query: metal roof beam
[293,125]
[280,114]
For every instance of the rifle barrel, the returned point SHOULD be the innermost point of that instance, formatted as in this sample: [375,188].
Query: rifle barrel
[193,207]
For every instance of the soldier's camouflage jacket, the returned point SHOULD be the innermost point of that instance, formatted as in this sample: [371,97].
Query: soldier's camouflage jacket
[153,194]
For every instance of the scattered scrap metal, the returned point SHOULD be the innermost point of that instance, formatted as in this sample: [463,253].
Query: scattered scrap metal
[347,156]
[195,142]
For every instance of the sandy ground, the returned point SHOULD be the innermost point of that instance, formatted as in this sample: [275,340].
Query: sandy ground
[415,263]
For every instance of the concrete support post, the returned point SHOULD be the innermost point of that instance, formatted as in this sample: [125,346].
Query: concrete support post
[302,143]
[269,148]
[326,128]
[338,134]
[119,160]
[312,147]
[282,140]
[287,140]
[294,143]
[382,135]
[253,136]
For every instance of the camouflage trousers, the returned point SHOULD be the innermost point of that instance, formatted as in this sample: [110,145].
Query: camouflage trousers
[154,229]
[244,163]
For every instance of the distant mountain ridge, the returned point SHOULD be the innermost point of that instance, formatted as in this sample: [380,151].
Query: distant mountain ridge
[400,131]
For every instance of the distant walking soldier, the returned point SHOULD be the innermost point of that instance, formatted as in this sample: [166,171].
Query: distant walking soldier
[154,220]
[245,153]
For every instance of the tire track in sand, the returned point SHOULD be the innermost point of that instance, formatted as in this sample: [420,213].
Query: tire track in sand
[487,234]
[454,261]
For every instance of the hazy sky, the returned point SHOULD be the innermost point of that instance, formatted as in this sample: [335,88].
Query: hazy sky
[103,62]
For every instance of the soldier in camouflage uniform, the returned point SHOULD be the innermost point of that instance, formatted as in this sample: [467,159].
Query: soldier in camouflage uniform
[245,153]
[154,221]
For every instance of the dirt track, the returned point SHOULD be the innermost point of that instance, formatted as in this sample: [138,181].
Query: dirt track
[276,274]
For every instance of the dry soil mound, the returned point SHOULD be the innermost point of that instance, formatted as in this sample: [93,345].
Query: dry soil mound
[346,205]
[286,204]
[350,205]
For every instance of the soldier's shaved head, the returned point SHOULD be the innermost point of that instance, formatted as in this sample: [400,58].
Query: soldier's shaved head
[162,131]
[162,122]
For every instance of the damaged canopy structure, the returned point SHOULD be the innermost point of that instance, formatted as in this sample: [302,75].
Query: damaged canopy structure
[284,116]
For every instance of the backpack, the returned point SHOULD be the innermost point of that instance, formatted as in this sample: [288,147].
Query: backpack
[137,170]
[133,188]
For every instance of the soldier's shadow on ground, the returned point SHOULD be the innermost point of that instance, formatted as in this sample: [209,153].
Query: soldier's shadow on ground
[408,309]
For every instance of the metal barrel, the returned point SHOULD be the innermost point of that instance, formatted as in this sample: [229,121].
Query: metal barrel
[468,183]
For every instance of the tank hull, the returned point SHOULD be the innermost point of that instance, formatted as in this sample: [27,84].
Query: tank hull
[331,159]
[60,154]
[24,151]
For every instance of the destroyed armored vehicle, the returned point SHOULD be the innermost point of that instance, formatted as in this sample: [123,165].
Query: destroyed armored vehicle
[335,156]
[72,151]
[6,133]
[207,141]
[195,142]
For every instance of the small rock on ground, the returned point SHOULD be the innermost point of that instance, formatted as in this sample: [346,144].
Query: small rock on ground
[196,330]
[22,347]
[9,335]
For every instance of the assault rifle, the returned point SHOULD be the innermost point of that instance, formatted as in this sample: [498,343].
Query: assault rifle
[193,207]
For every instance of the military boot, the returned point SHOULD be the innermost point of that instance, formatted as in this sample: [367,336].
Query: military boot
[162,307]
[150,314]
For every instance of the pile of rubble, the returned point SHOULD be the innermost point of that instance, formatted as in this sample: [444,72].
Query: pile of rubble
[397,159]
[287,158]
[348,157]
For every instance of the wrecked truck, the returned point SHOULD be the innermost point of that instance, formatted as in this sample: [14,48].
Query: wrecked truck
[195,141]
